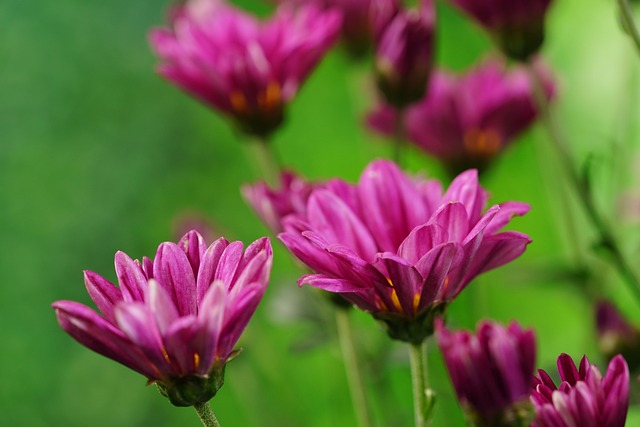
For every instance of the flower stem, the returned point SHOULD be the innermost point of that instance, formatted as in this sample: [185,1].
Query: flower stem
[606,236]
[265,159]
[399,137]
[629,23]
[422,401]
[205,413]
[352,367]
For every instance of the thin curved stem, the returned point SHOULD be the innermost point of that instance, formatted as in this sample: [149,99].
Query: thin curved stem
[422,401]
[205,413]
[265,160]
[626,13]
[352,367]
[606,235]
[399,137]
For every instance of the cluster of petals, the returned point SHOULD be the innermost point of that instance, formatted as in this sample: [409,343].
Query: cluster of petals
[239,65]
[584,398]
[616,335]
[362,20]
[491,371]
[404,54]
[272,205]
[397,244]
[517,25]
[467,120]
[178,315]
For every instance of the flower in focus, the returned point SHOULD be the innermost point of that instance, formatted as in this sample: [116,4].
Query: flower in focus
[467,120]
[404,55]
[516,25]
[397,247]
[247,69]
[491,371]
[584,397]
[616,335]
[272,205]
[174,319]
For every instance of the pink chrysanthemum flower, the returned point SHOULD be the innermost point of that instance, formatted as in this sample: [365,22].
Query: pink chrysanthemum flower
[174,319]
[467,120]
[399,248]
[491,371]
[584,398]
[272,205]
[616,335]
[247,69]
[516,25]
[404,55]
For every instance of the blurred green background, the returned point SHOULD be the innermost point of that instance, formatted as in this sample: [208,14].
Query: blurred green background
[98,154]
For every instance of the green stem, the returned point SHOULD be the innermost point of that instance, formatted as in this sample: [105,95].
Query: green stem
[354,379]
[205,413]
[265,159]
[629,23]
[399,137]
[606,236]
[421,398]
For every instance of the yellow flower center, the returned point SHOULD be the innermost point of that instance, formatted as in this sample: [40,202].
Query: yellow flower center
[482,143]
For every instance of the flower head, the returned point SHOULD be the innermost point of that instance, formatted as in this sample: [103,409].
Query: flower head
[247,69]
[272,205]
[616,335]
[516,25]
[174,319]
[467,120]
[399,248]
[584,397]
[491,371]
[404,55]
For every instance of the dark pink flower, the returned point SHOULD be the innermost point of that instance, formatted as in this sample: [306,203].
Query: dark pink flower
[616,335]
[517,25]
[272,205]
[491,371]
[404,55]
[247,69]
[467,120]
[174,319]
[399,248]
[584,398]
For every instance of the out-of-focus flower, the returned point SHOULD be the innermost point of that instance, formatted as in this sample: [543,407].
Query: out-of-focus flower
[516,25]
[272,205]
[397,247]
[247,69]
[404,55]
[616,335]
[491,371]
[466,121]
[193,220]
[584,398]
[174,319]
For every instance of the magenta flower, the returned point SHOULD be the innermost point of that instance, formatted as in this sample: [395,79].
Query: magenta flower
[404,55]
[398,247]
[177,318]
[516,25]
[272,205]
[616,335]
[247,69]
[491,371]
[467,120]
[584,398]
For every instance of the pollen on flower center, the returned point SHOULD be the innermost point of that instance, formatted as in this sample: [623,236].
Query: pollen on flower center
[196,361]
[271,97]
[165,354]
[238,101]
[484,143]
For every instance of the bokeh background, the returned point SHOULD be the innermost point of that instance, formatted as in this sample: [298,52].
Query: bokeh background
[98,154]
